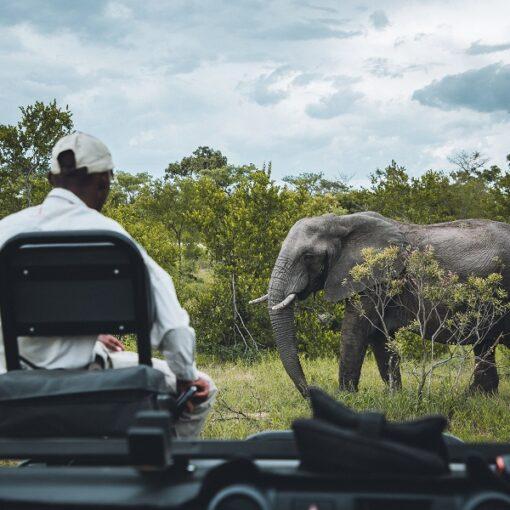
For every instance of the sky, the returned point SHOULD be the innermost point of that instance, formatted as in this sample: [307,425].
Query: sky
[340,87]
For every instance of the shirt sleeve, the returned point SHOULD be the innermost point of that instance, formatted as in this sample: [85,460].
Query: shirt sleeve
[171,332]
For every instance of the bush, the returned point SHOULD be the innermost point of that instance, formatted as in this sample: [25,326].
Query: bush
[224,327]
[318,324]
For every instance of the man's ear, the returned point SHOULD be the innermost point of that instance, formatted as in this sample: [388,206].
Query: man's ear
[101,180]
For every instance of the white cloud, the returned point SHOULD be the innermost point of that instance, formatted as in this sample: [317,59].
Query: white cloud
[117,10]
[143,138]
[379,20]
[269,88]
[339,103]
[306,84]
[383,67]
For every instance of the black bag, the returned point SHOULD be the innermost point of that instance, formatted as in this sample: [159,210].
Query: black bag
[74,403]
[339,439]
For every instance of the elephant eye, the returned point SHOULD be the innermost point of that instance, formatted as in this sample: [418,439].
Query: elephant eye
[308,257]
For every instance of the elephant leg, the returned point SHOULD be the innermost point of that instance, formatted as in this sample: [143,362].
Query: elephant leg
[388,363]
[485,377]
[355,332]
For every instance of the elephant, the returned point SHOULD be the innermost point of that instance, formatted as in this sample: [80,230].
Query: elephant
[318,254]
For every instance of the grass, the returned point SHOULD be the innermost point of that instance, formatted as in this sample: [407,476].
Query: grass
[259,396]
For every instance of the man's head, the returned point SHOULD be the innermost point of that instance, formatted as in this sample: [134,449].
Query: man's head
[82,164]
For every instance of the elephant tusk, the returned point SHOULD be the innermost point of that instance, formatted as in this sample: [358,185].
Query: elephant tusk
[261,299]
[286,302]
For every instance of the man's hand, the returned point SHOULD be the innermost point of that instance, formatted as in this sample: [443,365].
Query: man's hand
[111,343]
[201,394]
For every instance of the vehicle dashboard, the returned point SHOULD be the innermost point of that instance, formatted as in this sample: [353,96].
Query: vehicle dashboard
[240,484]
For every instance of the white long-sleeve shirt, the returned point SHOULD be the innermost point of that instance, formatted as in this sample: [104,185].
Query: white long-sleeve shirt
[171,332]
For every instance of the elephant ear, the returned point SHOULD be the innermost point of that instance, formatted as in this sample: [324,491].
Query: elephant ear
[363,230]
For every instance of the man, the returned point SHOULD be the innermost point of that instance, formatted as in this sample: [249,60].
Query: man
[81,172]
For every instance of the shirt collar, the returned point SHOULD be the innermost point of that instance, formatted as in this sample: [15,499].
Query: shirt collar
[66,195]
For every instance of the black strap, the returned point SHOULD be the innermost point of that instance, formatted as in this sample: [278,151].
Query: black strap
[28,363]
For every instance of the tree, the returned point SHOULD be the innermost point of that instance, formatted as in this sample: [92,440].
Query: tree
[127,204]
[126,188]
[202,159]
[433,199]
[389,193]
[470,191]
[178,207]
[468,164]
[316,184]
[25,148]
[442,309]
[207,162]
[501,199]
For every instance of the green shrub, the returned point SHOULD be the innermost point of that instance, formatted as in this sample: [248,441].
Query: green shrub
[317,328]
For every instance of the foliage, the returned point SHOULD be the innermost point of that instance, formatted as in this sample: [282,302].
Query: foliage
[125,205]
[207,162]
[440,307]
[318,328]
[25,151]
[126,188]
[202,160]
[315,183]
[469,191]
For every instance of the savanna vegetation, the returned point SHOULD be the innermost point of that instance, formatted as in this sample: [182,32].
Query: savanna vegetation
[217,227]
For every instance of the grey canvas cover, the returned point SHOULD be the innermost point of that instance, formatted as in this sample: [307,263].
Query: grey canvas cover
[71,403]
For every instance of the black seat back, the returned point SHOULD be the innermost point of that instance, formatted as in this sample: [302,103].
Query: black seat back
[72,283]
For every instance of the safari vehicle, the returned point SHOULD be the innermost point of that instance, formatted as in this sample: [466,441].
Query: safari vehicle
[103,439]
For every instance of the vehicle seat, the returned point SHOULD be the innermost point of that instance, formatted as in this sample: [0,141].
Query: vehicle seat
[74,283]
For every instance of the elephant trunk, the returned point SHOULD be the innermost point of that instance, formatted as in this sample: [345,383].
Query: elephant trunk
[284,329]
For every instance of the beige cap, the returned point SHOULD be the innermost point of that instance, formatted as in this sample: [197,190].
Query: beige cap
[88,152]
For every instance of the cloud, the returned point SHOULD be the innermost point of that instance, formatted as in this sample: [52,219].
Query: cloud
[117,10]
[308,30]
[317,7]
[379,20]
[270,88]
[480,49]
[483,90]
[383,68]
[334,105]
[299,82]
[285,82]
[304,79]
